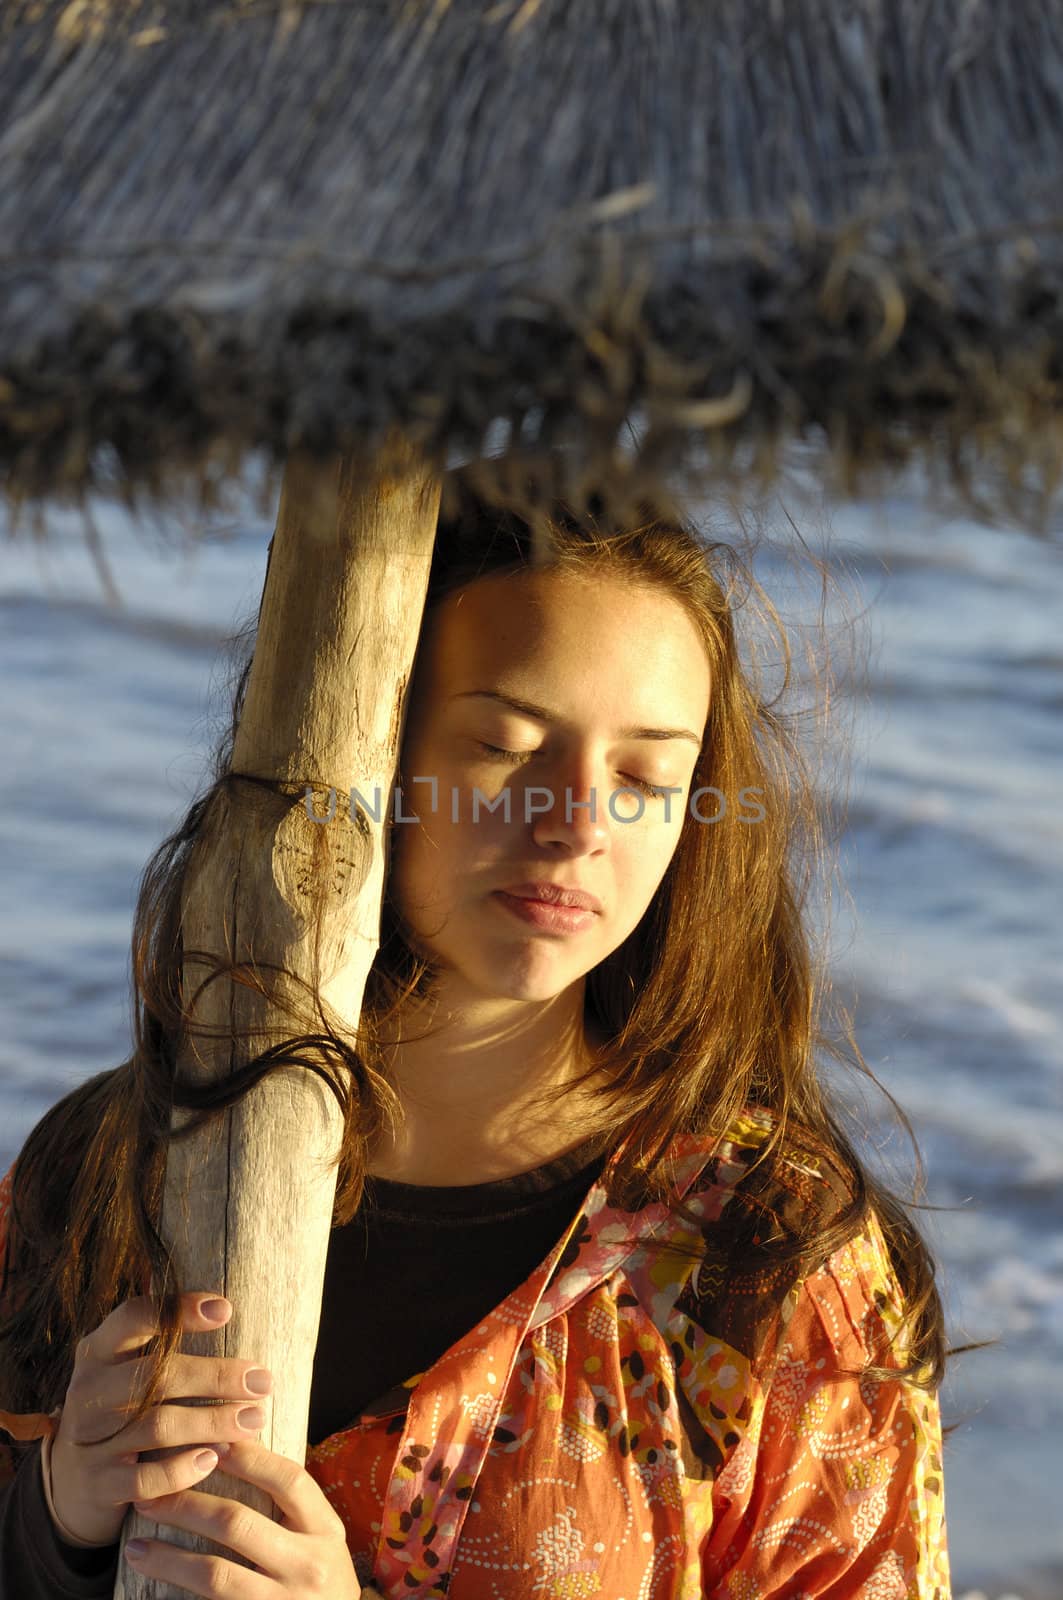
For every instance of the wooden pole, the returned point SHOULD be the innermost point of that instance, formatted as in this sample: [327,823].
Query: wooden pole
[247,1206]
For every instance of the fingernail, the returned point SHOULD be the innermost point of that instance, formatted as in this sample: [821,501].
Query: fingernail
[215,1310]
[206,1459]
[135,1548]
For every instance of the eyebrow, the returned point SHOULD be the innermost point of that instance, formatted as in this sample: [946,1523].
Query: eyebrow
[527,709]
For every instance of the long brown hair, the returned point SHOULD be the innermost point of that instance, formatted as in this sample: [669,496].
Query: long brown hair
[698,1026]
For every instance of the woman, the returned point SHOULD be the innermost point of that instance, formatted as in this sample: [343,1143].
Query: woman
[611,1305]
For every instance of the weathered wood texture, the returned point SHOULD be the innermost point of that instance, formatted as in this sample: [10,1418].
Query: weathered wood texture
[248,1202]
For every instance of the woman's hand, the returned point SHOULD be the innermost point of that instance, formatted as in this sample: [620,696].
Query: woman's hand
[94,1478]
[303,1558]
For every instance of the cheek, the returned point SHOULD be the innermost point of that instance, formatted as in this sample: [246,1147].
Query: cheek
[641,861]
[415,872]
[431,856]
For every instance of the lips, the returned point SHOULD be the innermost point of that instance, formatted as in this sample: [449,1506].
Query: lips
[554,894]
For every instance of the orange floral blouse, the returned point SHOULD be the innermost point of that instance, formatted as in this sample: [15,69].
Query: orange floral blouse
[635,1425]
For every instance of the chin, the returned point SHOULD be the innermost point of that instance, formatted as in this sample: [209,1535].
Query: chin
[510,980]
[531,990]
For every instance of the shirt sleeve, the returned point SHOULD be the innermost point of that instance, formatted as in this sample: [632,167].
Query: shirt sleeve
[35,1562]
[836,1489]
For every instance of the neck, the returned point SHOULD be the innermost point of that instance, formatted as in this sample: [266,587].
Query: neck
[467,1073]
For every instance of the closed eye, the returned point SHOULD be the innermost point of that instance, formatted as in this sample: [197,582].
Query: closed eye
[519,757]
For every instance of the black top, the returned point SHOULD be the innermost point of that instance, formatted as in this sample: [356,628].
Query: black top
[456,1252]
[453,1252]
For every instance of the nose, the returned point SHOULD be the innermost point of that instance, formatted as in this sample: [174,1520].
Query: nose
[575,813]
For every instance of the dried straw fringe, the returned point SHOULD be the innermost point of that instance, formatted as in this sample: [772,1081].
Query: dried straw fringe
[793,224]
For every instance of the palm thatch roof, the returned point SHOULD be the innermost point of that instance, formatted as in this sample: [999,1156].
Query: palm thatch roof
[233,226]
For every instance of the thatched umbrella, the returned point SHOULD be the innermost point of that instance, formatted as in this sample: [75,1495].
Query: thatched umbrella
[287,224]
[354,237]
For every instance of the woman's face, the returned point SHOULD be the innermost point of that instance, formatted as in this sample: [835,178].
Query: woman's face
[602,658]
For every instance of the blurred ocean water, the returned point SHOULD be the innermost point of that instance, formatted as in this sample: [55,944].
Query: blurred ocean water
[951,944]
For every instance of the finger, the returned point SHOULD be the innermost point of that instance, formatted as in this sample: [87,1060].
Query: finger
[165,1429]
[203,1379]
[105,1392]
[193,1573]
[238,1529]
[171,1430]
[132,1324]
[300,1497]
[138,1479]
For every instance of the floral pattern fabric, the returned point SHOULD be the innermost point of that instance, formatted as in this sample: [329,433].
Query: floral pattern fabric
[632,1424]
